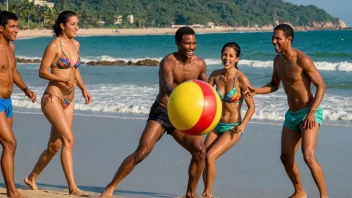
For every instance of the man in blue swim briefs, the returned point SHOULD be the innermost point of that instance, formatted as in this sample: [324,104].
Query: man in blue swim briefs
[304,117]
[8,76]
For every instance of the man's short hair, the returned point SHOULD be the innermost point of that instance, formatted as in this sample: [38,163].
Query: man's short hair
[183,31]
[287,29]
[5,16]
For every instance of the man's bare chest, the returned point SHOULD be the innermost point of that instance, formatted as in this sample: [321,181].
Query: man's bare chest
[289,73]
[184,73]
[7,63]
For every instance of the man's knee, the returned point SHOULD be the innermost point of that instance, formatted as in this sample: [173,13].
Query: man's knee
[198,152]
[10,144]
[141,154]
[287,158]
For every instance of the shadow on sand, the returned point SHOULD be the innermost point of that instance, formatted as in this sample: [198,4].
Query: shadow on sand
[98,190]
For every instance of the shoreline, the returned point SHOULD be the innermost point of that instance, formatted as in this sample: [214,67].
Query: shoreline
[130,32]
[34,33]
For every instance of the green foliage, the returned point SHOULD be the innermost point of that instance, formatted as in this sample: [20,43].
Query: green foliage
[164,13]
[30,15]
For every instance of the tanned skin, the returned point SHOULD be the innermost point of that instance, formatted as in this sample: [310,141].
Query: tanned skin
[297,73]
[175,69]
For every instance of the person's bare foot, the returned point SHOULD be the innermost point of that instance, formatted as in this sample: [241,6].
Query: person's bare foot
[16,195]
[188,196]
[79,193]
[108,192]
[299,195]
[207,195]
[31,183]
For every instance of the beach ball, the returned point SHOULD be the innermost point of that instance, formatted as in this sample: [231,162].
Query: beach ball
[194,107]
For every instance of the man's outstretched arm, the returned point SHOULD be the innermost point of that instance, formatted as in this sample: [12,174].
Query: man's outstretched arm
[272,86]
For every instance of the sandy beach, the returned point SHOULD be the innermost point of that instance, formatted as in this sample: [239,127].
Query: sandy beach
[252,168]
[124,32]
[44,193]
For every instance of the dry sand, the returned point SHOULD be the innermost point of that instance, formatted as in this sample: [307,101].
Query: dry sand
[122,32]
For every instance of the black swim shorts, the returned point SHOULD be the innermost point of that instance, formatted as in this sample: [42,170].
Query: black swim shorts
[158,113]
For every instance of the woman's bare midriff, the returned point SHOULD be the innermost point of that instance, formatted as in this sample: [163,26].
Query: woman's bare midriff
[59,88]
[231,112]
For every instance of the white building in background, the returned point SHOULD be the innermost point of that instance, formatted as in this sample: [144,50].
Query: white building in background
[130,19]
[196,26]
[42,3]
[118,20]
[210,25]
[177,26]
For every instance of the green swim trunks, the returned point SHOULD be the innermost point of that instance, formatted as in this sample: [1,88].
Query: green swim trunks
[223,127]
[294,118]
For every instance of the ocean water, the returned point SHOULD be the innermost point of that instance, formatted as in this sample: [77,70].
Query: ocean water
[132,89]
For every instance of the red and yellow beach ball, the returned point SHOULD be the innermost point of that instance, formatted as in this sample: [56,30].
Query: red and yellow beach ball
[194,107]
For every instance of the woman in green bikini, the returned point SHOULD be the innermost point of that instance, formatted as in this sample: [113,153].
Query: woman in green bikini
[229,83]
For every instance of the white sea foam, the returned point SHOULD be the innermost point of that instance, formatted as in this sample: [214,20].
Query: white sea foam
[29,57]
[326,66]
[138,99]
[109,58]
[321,65]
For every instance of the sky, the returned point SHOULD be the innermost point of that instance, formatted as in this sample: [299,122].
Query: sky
[341,9]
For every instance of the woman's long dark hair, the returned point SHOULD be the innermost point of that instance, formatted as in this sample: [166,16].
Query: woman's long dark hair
[62,18]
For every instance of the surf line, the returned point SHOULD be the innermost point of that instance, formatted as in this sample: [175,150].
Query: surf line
[144,118]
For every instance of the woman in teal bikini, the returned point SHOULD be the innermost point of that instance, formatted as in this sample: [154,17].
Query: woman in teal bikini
[62,56]
[229,83]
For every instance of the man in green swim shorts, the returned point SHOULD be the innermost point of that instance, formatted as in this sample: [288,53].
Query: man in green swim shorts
[304,117]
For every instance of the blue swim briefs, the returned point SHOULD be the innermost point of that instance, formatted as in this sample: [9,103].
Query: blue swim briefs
[6,106]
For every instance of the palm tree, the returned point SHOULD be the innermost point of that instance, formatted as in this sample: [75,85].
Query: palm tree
[50,17]
[42,13]
[27,9]
[63,4]
[142,16]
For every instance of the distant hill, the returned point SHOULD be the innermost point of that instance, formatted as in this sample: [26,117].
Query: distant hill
[164,13]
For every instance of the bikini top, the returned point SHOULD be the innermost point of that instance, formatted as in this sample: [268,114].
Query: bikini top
[232,97]
[64,61]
